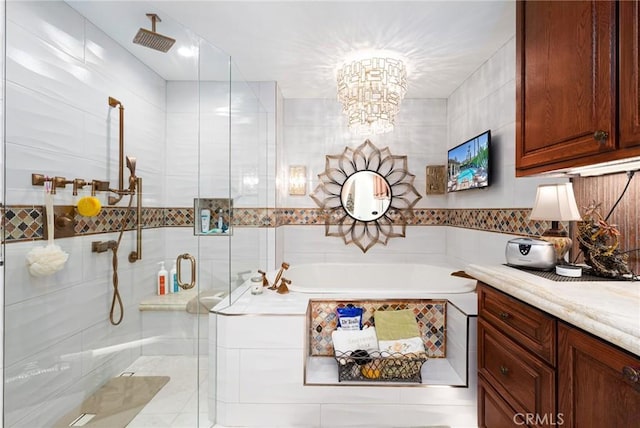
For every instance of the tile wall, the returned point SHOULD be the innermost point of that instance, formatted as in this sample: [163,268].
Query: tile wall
[60,71]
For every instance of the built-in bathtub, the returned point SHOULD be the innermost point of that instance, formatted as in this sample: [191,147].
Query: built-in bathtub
[379,279]
[264,372]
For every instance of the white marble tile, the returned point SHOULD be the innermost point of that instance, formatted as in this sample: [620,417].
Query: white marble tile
[247,332]
[270,415]
[53,22]
[371,415]
[228,372]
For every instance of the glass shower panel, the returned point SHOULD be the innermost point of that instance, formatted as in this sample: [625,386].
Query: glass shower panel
[248,174]
[63,62]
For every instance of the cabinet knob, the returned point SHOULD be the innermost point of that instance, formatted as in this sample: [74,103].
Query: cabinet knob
[601,136]
[504,370]
[504,315]
[631,374]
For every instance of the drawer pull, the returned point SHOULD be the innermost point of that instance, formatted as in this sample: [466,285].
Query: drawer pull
[631,374]
[601,136]
[505,315]
[504,370]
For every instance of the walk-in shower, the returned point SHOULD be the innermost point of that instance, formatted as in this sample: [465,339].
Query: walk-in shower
[70,72]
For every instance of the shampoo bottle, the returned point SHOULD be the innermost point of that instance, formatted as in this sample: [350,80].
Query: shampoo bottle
[162,280]
[173,279]
[205,220]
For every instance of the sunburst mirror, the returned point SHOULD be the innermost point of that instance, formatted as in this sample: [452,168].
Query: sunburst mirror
[367,195]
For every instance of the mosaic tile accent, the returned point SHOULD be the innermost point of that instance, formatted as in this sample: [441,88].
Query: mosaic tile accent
[430,315]
[25,222]
[177,217]
[513,221]
[254,217]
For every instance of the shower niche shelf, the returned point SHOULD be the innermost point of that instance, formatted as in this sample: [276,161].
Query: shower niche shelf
[218,211]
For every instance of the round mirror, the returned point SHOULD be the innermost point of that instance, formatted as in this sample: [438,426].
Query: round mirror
[365,195]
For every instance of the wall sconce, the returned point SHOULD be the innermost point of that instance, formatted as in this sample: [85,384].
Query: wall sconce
[298,180]
[555,202]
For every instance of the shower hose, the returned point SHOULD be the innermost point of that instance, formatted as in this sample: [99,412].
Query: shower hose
[114,249]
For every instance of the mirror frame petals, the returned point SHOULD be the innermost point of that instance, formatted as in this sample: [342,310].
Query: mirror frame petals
[390,224]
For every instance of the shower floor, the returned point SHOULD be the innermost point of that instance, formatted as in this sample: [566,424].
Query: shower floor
[176,404]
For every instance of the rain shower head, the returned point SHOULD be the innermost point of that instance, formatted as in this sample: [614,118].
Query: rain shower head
[151,39]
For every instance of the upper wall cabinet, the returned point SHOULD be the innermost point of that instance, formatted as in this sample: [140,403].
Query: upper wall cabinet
[567,84]
[629,76]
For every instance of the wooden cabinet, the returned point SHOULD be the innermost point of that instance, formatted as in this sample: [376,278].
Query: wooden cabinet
[598,384]
[593,384]
[570,84]
[629,74]
[516,358]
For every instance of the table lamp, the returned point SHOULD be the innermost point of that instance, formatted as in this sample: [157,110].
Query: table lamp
[556,202]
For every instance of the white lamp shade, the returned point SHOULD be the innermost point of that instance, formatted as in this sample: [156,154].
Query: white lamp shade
[555,202]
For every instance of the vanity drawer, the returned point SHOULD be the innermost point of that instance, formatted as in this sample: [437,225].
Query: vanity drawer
[529,327]
[526,382]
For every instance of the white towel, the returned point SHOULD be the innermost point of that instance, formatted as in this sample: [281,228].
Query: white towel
[351,340]
[412,345]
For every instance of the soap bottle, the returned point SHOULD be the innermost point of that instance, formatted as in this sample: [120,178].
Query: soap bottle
[205,220]
[220,221]
[173,279]
[162,280]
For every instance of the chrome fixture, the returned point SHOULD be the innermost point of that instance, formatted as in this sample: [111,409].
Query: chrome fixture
[151,39]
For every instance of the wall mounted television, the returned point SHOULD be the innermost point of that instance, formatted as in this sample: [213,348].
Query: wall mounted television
[468,164]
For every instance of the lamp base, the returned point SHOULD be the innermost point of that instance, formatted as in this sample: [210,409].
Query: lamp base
[561,245]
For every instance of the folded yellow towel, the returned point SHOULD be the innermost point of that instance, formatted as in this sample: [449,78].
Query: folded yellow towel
[394,325]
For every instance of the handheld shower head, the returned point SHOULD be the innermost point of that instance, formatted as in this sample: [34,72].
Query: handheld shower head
[151,39]
[131,164]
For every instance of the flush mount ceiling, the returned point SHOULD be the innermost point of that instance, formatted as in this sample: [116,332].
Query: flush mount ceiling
[370,90]
[299,43]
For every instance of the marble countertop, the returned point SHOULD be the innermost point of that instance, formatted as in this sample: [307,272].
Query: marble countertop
[607,309]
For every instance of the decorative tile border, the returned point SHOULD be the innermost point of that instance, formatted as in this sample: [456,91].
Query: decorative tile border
[24,223]
[430,316]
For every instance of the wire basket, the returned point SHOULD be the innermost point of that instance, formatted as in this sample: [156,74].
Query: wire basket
[378,366]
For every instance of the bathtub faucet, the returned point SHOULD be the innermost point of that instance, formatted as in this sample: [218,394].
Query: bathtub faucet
[265,281]
[282,288]
[283,267]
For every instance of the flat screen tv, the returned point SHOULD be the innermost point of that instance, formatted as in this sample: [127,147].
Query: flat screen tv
[468,165]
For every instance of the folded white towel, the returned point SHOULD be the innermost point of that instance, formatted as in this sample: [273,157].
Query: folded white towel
[411,345]
[350,340]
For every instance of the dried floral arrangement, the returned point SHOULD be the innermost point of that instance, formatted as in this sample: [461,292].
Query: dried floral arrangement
[599,242]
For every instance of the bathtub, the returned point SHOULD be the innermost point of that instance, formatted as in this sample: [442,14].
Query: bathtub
[376,279]
[283,339]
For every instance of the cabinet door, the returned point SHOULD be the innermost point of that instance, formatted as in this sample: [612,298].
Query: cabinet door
[493,411]
[629,76]
[565,83]
[596,384]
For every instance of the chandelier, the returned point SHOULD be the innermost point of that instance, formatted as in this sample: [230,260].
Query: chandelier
[370,91]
